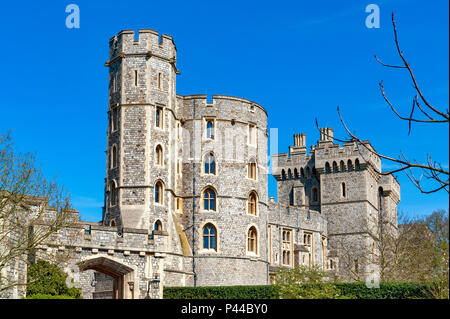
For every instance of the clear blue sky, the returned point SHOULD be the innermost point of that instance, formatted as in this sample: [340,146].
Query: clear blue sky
[299,59]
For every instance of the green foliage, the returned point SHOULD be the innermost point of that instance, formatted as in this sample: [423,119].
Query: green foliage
[438,223]
[45,278]
[387,290]
[304,283]
[43,296]
[225,292]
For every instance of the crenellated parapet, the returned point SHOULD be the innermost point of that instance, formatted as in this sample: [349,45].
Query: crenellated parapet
[149,43]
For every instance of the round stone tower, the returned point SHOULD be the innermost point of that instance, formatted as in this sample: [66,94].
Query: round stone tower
[224,189]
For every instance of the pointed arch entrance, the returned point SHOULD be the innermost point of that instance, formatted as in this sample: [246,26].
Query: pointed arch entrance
[122,275]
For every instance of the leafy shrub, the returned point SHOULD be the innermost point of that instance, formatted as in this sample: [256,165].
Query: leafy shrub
[304,283]
[45,278]
[225,292]
[387,290]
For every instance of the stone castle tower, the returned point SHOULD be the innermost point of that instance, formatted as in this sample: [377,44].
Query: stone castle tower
[345,186]
[186,191]
[158,145]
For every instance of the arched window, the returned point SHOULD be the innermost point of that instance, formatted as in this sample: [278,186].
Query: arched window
[113,223]
[283,174]
[114,157]
[335,167]
[159,155]
[315,194]
[252,240]
[210,167]
[210,129]
[209,237]
[251,167]
[209,200]
[252,204]
[357,166]
[157,226]
[291,197]
[344,193]
[308,172]
[342,166]
[158,193]
[349,165]
[327,168]
[289,173]
[113,193]
[295,173]
[302,172]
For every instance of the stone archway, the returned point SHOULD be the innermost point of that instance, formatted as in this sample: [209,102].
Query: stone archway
[122,275]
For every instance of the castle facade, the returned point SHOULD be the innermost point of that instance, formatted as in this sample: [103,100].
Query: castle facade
[186,190]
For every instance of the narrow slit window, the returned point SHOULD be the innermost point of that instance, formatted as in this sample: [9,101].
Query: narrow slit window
[210,129]
[159,117]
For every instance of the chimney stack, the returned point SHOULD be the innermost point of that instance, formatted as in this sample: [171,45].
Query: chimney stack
[300,140]
[326,134]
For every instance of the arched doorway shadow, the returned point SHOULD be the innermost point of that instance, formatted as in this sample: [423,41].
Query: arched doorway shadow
[121,275]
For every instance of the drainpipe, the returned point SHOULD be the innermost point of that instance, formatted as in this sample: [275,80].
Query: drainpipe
[193,198]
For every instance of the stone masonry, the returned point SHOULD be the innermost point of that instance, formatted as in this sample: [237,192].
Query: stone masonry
[159,146]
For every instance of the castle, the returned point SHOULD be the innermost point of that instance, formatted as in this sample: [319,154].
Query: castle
[186,190]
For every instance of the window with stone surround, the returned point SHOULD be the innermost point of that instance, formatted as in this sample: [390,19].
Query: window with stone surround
[286,247]
[343,191]
[159,155]
[209,200]
[251,169]
[159,117]
[209,237]
[113,159]
[335,167]
[113,193]
[159,193]
[342,166]
[160,81]
[252,240]
[253,204]
[210,129]
[357,166]
[157,226]
[309,245]
[114,119]
[210,166]
[349,165]
[136,78]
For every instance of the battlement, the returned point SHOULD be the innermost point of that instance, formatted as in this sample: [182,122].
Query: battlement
[145,42]
[203,100]
[324,154]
